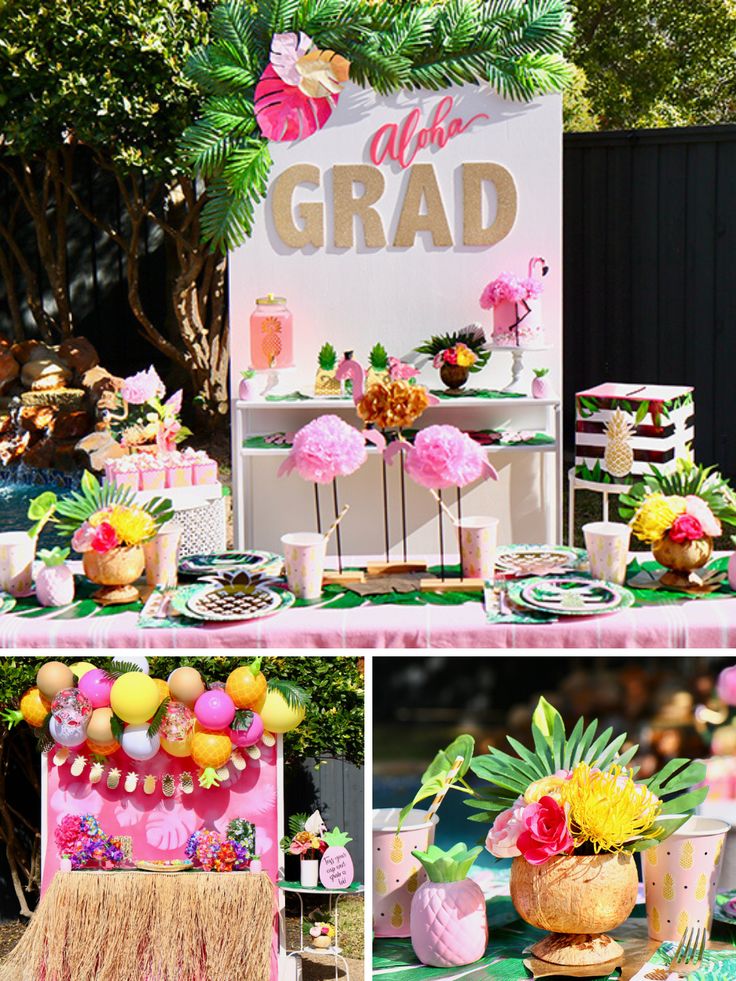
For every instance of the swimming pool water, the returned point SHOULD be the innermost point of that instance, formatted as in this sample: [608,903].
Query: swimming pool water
[14,500]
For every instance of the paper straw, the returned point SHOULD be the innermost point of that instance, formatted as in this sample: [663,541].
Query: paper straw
[336,522]
[442,504]
[441,795]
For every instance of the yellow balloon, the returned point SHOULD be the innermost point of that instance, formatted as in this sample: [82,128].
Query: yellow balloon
[134,697]
[179,747]
[80,668]
[276,714]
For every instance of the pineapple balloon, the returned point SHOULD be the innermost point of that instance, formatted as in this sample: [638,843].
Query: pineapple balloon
[33,709]
[619,456]
[247,686]
[336,868]
[448,912]
[54,580]
[210,751]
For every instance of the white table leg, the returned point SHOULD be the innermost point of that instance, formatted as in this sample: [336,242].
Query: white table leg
[571,508]
[605,505]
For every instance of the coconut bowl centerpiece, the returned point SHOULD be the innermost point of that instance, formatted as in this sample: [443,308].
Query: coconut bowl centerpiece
[571,813]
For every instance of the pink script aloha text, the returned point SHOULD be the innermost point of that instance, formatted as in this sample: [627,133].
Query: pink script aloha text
[402,141]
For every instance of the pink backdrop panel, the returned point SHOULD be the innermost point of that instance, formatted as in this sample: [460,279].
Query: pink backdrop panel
[160,826]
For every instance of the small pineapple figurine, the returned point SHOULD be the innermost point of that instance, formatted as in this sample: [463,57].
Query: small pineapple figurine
[377,366]
[325,383]
[54,580]
[619,456]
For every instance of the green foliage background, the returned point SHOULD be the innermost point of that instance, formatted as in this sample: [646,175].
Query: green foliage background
[334,723]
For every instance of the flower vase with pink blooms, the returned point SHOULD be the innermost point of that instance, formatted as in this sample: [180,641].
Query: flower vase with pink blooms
[571,813]
[143,419]
[456,355]
[307,842]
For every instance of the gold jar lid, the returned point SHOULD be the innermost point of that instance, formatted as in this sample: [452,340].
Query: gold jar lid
[271,300]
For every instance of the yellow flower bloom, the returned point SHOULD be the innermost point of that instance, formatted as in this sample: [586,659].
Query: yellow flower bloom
[132,524]
[656,516]
[465,357]
[608,809]
[98,517]
[546,787]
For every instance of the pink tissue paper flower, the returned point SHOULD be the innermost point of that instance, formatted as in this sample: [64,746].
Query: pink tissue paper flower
[140,388]
[727,685]
[697,508]
[325,448]
[443,456]
[545,833]
[507,288]
[503,836]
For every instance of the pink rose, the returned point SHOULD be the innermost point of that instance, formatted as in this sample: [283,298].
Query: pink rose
[727,685]
[545,833]
[83,537]
[143,387]
[105,538]
[697,507]
[686,528]
[502,838]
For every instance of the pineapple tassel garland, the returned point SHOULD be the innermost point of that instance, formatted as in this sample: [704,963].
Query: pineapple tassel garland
[460,934]
[619,456]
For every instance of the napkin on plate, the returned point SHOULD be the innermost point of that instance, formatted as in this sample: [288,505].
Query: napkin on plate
[718,965]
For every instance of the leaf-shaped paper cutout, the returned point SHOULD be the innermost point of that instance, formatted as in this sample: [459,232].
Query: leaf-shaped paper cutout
[284,113]
[168,830]
[322,73]
[286,50]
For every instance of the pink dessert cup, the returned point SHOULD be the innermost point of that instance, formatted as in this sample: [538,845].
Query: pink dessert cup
[205,473]
[127,478]
[178,475]
[153,479]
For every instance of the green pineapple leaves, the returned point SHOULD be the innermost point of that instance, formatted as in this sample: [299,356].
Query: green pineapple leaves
[450,866]
[435,778]
[327,357]
[336,838]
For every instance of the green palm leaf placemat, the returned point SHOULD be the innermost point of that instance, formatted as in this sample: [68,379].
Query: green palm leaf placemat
[82,608]
[650,570]
[479,393]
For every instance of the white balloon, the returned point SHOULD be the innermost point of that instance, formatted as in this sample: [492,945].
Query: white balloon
[138,659]
[66,735]
[137,744]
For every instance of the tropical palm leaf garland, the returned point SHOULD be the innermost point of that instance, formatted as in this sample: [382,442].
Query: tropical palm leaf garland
[677,784]
[514,45]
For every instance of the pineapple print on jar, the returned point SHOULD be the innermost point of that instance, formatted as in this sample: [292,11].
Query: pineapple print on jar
[397,916]
[682,922]
[702,887]
[686,855]
[668,889]
[380,882]
[619,456]
[412,883]
[397,851]
[271,340]
[656,920]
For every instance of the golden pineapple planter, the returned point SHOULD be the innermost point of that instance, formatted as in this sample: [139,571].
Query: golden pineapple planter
[577,898]
[325,382]
[681,559]
[619,455]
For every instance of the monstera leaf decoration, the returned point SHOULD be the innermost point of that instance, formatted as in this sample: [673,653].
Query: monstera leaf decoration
[299,88]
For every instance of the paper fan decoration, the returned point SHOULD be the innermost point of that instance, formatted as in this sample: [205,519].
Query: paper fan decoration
[299,89]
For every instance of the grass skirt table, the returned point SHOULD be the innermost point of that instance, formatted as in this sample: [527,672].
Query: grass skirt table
[140,926]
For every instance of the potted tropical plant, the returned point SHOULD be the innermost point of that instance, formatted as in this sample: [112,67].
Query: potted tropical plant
[571,813]
[307,842]
[457,354]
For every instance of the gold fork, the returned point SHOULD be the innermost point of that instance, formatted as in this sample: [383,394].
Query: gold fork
[689,954]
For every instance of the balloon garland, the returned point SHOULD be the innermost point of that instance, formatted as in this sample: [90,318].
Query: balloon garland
[100,713]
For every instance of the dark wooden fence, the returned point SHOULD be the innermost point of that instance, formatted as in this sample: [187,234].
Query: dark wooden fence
[650,263]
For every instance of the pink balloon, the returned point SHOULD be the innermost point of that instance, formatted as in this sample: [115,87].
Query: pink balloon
[249,736]
[97,687]
[214,709]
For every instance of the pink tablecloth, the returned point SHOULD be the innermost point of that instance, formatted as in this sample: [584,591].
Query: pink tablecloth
[697,623]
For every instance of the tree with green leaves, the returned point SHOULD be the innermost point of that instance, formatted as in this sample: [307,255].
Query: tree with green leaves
[516,46]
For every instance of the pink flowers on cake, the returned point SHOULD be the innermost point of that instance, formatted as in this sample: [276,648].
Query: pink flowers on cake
[508,288]
[327,447]
[443,456]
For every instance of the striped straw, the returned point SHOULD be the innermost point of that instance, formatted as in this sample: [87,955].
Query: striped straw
[441,795]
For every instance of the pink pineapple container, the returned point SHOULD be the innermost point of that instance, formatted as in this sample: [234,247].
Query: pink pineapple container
[396,873]
[205,473]
[153,479]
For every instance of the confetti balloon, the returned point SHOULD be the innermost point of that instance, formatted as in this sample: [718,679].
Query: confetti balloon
[138,659]
[185,685]
[278,716]
[247,728]
[134,697]
[71,707]
[211,749]
[214,709]
[247,685]
[138,745]
[97,685]
[52,677]
[64,735]
[99,729]
[177,729]
[80,668]
[103,749]
[34,707]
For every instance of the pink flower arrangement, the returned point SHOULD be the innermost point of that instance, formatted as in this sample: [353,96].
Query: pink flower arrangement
[508,288]
[504,834]
[327,447]
[698,509]
[545,832]
[142,387]
[686,528]
[443,456]
[400,370]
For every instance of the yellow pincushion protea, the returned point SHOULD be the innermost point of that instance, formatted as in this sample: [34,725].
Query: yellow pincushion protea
[608,809]
[133,525]
[656,516]
[546,787]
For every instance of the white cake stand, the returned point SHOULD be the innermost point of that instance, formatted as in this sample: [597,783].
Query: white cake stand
[517,364]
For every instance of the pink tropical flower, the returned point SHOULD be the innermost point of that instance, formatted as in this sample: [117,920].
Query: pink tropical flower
[166,434]
[172,405]
[327,447]
[697,507]
[686,528]
[545,833]
[105,538]
[83,537]
[142,387]
[503,836]
[508,288]
[443,456]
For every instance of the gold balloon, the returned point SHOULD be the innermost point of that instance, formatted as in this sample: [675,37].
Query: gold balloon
[53,677]
[185,685]
[134,697]
[80,668]
[178,747]
[163,689]
[276,714]
[98,728]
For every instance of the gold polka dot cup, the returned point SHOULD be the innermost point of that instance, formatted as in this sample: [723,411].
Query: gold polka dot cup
[304,561]
[478,537]
[162,558]
[396,873]
[681,878]
[607,544]
[17,549]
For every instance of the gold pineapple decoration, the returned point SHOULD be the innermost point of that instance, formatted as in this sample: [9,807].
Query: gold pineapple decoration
[686,856]
[619,456]
[719,849]
[397,916]
[682,921]
[397,851]
[325,383]
[656,921]
[380,882]
[271,339]
[668,889]
[702,887]
[412,883]
[650,856]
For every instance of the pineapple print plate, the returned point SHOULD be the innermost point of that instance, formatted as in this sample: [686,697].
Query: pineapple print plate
[537,560]
[208,563]
[224,604]
[567,596]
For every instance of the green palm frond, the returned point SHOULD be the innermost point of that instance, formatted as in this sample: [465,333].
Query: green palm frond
[78,506]
[296,823]
[155,724]
[686,479]
[117,728]
[294,696]
[119,668]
